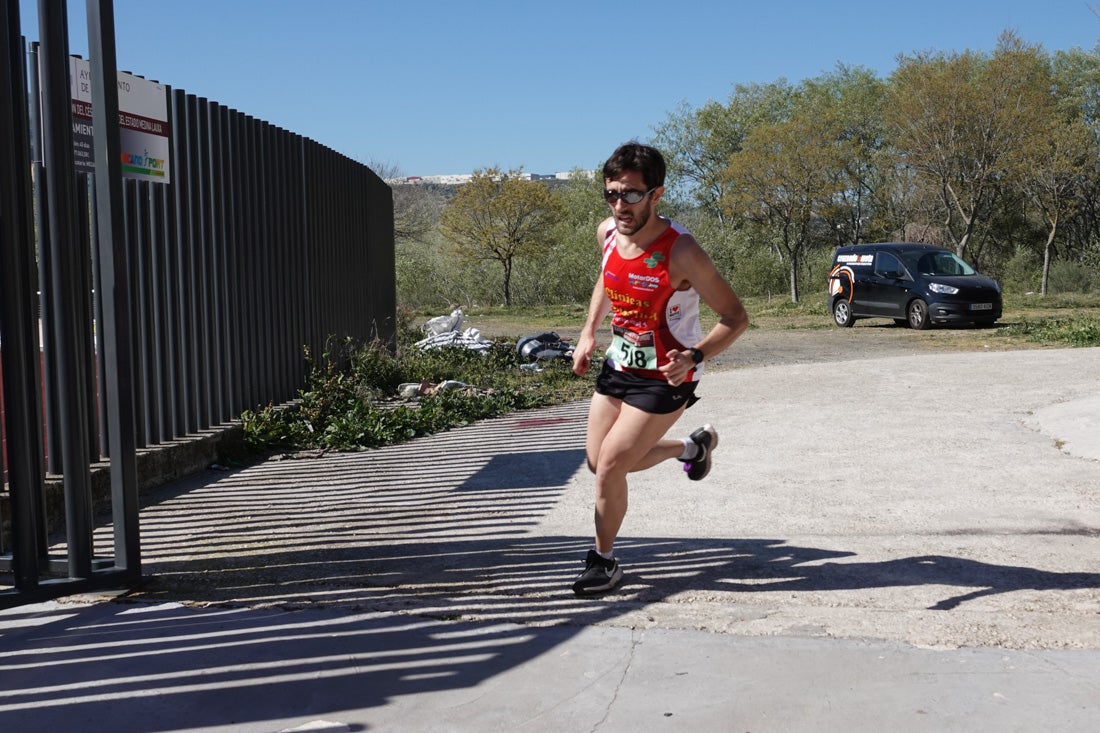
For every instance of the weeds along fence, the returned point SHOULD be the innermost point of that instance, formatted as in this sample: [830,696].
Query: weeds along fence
[134,312]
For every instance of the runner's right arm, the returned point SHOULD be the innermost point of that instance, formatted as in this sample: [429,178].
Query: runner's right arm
[599,305]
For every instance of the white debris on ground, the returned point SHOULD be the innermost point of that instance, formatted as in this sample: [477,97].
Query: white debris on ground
[444,331]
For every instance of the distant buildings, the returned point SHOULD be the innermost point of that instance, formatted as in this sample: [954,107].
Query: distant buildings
[459,179]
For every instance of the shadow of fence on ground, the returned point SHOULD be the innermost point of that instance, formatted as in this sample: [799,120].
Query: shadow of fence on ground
[441,529]
[452,526]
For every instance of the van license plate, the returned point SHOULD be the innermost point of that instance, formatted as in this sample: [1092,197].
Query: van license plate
[981,306]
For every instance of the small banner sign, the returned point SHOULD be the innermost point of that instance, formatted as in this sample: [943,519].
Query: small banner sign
[142,120]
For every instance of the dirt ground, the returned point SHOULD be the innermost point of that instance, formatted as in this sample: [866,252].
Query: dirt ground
[772,341]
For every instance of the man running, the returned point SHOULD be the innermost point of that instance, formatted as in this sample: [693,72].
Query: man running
[653,276]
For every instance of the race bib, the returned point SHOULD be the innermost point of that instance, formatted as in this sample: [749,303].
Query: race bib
[633,350]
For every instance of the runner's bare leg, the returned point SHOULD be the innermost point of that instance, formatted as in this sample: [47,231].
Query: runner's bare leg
[622,439]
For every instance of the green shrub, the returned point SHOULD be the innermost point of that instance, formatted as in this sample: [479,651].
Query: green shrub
[1023,273]
[1083,331]
[350,401]
[1071,277]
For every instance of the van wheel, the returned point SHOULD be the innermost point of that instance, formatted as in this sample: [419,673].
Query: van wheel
[842,313]
[917,313]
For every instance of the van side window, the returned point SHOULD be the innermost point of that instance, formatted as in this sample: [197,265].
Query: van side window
[887,265]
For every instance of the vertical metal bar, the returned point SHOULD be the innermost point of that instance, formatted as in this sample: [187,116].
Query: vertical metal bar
[314,225]
[340,295]
[326,245]
[34,115]
[193,344]
[189,263]
[46,318]
[181,187]
[382,265]
[48,368]
[246,232]
[85,303]
[275,250]
[143,257]
[387,308]
[304,206]
[145,341]
[215,270]
[281,287]
[313,189]
[264,263]
[31,276]
[357,244]
[254,255]
[208,274]
[116,299]
[232,262]
[158,320]
[300,261]
[17,323]
[102,428]
[169,285]
[129,235]
[58,152]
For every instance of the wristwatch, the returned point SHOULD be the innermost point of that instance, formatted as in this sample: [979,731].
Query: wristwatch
[696,355]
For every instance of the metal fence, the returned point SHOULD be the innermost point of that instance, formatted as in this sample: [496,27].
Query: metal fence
[134,313]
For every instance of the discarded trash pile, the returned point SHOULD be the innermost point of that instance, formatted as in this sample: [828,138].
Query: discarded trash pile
[445,331]
[542,347]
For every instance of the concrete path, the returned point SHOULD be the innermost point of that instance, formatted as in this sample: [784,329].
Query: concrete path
[902,544]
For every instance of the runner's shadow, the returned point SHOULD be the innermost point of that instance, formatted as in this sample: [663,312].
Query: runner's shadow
[769,566]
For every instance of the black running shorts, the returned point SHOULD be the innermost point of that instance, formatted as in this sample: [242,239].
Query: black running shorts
[655,396]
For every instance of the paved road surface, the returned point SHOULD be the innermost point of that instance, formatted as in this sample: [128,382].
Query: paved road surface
[904,543]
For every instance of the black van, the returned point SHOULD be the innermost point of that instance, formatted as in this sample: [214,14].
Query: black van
[915,284]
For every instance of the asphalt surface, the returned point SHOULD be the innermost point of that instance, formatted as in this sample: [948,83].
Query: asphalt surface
[903,543]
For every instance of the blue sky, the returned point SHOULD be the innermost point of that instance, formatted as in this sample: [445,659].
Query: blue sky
[441,87]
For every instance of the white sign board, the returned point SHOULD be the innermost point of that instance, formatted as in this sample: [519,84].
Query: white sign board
[142,120]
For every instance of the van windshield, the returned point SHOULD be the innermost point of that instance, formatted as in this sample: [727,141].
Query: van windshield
[938,263]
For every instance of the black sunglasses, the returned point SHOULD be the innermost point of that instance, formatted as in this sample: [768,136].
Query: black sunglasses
[630,196]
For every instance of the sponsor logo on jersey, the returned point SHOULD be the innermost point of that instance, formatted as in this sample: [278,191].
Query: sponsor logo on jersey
[639,281]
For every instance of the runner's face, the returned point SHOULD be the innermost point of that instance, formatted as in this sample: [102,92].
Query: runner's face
[631,218]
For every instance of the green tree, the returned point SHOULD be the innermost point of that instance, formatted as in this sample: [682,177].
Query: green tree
[1054,164]
[958,120]
[415,207]
[1077,88]
[698,144]
[847,105]
[782,179]
[499,217]
[574,249]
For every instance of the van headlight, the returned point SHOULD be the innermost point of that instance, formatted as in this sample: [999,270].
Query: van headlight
[944,289]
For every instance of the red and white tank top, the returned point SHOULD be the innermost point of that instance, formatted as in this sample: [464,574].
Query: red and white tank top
[649,316]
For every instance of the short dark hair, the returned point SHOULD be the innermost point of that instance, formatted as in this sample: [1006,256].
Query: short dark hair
[633,156]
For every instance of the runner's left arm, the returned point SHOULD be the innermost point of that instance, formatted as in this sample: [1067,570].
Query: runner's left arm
[690,263]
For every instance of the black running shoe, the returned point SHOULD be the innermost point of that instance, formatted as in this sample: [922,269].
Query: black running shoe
[706,438]
[599,575]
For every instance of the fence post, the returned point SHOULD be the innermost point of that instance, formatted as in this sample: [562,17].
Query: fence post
[116,297]
[21,380]
[57,149]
